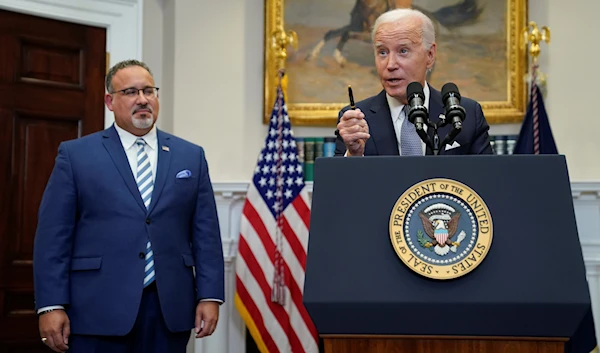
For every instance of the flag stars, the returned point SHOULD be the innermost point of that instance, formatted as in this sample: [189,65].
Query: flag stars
[288,194]
[286,144]
[280,181]
[291,169]
[272,132]
[299,181]
[269,194]
[298,169]
[292,156]
[284,157]
[276,206]
[271,144]
[278,194]
[286,131]
[257,169]
[289,181]
[263,182]
[265,169]
[271,181]
[273,169]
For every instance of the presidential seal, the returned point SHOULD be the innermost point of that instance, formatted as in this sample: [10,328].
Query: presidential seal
[441,229]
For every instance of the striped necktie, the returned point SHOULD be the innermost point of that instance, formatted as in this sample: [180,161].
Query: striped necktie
[410,142]
[145,184]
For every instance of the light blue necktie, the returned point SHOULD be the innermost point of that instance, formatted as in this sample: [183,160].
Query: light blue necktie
[410,142]
[145,185]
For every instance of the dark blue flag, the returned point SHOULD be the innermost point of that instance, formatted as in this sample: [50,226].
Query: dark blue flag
[535,136]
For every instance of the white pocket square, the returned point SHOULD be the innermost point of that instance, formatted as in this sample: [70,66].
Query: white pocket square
[454,145]
[183,174]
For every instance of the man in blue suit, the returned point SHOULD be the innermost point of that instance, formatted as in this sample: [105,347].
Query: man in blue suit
[127,254]
[404,44]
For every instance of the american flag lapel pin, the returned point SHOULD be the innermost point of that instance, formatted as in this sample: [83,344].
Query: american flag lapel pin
[165,148]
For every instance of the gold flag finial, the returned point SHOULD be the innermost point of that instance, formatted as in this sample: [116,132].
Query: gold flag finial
[280,40]
[534,35]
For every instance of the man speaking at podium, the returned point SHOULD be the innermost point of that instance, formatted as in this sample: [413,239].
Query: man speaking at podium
[404,44]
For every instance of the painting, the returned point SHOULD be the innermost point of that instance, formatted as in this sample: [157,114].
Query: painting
[479,48]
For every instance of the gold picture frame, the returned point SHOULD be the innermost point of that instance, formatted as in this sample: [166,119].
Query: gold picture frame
[507,106]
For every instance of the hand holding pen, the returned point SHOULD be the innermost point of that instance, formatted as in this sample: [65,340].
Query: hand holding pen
[353,129]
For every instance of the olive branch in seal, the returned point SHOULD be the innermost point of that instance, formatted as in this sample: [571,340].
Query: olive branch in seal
[423,241]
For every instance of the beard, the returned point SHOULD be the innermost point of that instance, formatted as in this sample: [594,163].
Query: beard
[144,122]
[145,119]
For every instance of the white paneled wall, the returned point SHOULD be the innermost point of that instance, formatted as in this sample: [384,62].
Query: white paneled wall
[229,336]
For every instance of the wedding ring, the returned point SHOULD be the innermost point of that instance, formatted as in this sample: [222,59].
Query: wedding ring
[44,339]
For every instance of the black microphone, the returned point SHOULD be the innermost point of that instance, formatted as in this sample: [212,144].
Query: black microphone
[417,113]
[455,113]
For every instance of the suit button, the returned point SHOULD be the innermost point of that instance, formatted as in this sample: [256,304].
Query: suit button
[142,255]
[148,221]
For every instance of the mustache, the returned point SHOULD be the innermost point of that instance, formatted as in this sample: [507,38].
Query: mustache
[143,107]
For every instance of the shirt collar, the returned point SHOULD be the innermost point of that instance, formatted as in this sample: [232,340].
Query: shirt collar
[396,106]
[128,139]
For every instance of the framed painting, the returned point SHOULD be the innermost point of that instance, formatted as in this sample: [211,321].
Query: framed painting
[478,48]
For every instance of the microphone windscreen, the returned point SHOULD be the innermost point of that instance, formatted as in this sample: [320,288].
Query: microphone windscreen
[415,88]
[450,88]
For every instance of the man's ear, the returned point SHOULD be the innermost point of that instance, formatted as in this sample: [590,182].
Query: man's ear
[431,56]
[108,101]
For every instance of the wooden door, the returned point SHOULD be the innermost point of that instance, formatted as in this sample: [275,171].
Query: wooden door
[51,90]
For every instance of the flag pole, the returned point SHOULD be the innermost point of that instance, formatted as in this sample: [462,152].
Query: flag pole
[533,35]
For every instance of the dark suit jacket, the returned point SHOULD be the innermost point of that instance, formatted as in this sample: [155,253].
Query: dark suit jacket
[473,138]
[93,228]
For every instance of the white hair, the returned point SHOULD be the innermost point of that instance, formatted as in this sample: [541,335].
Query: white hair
[427,30]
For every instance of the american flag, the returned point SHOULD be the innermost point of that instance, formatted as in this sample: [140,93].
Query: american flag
[272,246]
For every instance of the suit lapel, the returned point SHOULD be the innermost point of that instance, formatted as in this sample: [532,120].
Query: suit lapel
[113,145]
[164,161]
[381,126]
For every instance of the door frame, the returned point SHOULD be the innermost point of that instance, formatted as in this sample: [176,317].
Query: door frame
[123,20]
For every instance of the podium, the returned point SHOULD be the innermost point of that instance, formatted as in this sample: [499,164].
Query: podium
[527,293]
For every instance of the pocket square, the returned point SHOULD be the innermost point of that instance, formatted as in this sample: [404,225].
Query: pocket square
[454,145]
[183,174]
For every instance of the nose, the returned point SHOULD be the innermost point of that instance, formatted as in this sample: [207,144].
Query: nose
[141,98]
[392,62]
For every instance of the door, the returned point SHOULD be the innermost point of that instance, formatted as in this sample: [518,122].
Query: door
[51,90]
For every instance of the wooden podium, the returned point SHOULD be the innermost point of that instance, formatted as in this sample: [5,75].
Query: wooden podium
[529,293]
[439,344]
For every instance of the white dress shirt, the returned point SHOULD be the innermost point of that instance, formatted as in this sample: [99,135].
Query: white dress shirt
[131,149]
[398,116]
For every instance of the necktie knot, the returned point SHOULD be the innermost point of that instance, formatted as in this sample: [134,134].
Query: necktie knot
[405,109]
[140,142]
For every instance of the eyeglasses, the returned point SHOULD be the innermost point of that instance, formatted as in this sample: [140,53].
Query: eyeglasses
[149,92]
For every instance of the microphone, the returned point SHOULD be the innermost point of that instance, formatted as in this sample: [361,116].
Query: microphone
[417,113]
[455,113]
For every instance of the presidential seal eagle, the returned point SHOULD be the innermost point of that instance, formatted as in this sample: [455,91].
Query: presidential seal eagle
[440,223]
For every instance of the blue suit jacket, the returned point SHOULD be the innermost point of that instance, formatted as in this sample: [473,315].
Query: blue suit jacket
[93,228]
[473,138]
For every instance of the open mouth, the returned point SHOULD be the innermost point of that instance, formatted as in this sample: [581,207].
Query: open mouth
[394,81]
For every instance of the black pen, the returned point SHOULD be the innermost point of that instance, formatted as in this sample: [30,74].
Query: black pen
[352,106]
